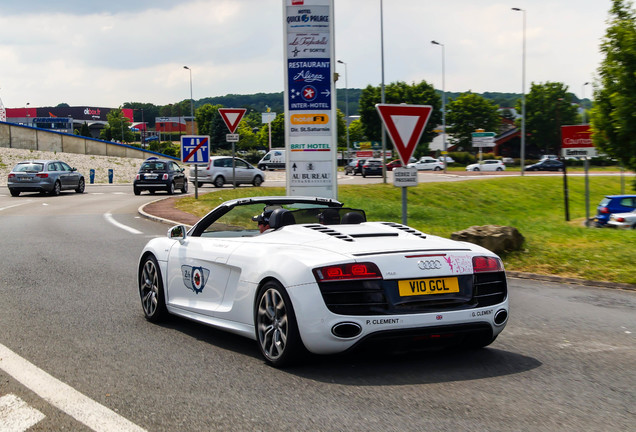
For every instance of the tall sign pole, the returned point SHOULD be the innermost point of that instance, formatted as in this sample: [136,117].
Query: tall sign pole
[310,98]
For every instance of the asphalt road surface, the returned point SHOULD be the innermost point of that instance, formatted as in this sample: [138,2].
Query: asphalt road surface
[77,354]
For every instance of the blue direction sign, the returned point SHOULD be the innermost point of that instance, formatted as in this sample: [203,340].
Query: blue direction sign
[195,149]
[309,84]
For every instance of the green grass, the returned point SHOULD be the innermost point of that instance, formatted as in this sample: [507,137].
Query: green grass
[533,205]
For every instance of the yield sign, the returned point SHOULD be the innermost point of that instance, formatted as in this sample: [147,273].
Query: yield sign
[232,117]
[405,125]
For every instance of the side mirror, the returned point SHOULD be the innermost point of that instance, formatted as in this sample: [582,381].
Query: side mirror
[177,232]
[73,169]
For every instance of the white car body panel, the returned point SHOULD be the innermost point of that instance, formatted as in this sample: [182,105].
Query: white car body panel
[237,266]
[629,220]
[487,165]
[427,163]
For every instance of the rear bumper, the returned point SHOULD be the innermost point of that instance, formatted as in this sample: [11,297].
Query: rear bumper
[30,187]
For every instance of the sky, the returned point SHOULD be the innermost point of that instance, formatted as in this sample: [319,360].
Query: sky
[106,53]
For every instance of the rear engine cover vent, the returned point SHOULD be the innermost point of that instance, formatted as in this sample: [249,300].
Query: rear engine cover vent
[405,229]
[330,231]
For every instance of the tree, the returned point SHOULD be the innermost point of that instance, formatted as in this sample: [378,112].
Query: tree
[612,118]
[116,126]
[470,112]
[397,93]
[548,107]
[85,131]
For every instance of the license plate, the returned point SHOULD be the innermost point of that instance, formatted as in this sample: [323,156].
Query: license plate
[416,287]
[151,176]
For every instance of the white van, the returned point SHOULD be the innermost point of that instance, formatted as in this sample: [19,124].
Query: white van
[274,159]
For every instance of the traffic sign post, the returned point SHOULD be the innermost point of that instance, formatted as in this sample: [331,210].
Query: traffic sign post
[195,149]
[232,117]
[405,125]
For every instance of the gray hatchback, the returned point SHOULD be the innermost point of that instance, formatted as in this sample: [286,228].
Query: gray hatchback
[44,176]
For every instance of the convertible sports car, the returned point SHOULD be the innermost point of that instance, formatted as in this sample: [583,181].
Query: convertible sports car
[320,278]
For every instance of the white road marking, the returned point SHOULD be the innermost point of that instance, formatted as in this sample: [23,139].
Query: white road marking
[16,415]
[14,205]
[62,396]
[109,218]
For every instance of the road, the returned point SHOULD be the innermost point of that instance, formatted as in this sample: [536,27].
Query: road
[69,310]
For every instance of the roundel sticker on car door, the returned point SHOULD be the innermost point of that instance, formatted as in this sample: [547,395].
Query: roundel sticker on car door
[195,278]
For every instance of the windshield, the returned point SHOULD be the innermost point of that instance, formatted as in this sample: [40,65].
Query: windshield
[28,167]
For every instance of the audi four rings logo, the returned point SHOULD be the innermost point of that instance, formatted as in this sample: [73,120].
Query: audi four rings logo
[429,264]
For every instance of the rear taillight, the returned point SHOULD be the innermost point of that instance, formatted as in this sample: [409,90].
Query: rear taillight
[138,177]
[483,264]
[619,219]
[351,271]
[11,175]
[42,175]
[165,177]
[604,210]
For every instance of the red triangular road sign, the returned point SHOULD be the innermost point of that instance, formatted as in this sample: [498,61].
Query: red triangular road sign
[232,117]
[405,125]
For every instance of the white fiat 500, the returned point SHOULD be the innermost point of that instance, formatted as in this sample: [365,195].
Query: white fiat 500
[301,274]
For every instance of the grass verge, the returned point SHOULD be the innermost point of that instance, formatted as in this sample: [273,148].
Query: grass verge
[533,205]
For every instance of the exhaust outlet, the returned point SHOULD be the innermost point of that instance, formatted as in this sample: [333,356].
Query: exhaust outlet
[346,330]
[501,316]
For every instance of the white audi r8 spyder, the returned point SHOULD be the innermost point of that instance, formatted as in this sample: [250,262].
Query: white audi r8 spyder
[322,279]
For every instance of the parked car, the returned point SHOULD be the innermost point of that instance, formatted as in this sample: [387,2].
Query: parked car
[427,163]
[160,175]
[44,176]
[220,172]
[397,163]
[487,165]
[322,279]
[622,220]
[546,165]
[613,204]
[274,159]
[372,167]
[548,157]
[508,161]
[354,167]
[449,160]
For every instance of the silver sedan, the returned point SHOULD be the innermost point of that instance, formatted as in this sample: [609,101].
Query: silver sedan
[44,176]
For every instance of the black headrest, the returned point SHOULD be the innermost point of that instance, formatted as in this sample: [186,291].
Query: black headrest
[329,217]
[352,218]
[280,218]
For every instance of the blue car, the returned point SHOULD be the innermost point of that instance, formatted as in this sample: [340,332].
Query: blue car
[614,204]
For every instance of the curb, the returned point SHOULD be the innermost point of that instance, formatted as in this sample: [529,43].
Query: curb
[147,215]
[573,281]
[512,274]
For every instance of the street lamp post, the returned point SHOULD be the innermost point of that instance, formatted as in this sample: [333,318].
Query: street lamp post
[443,101]
[26,114]
[346,106]
[383,100]
[523,92]
[196,167]
[582,107]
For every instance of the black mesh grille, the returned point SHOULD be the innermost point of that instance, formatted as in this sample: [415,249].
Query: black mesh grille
[382,297]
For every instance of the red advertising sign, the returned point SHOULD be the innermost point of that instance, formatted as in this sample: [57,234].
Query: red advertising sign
[576,136]
[405,125]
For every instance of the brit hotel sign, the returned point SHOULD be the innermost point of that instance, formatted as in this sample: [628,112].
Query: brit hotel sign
[310,100]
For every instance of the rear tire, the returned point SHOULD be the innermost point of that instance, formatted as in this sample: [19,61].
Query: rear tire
[14,193]
[258,180]
[171,188]
[275,325]
[153,300]
[438,169]
[219,182]
[57,188]
[136,191]
[81,186]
